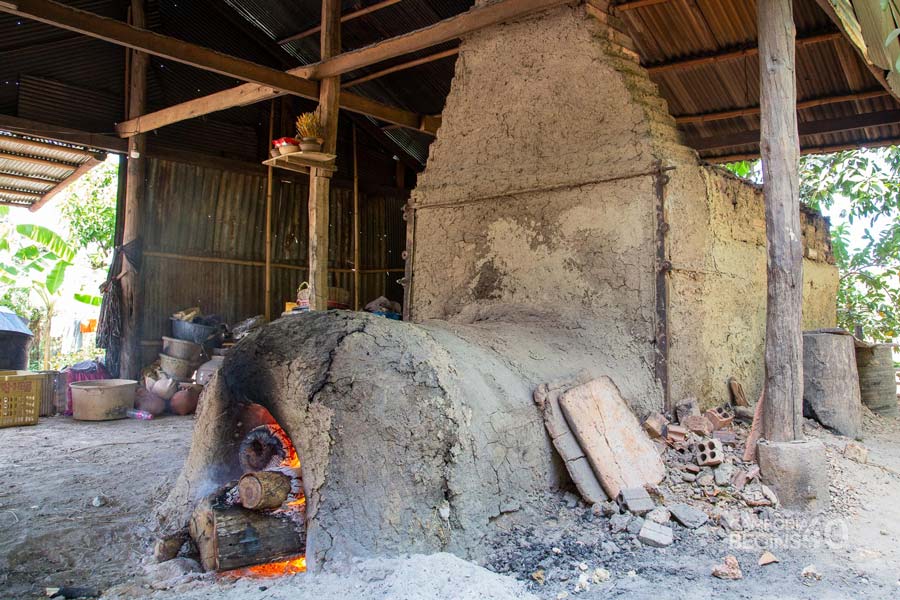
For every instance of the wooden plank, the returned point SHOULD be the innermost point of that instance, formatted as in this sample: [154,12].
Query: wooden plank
[635,4]
[269,186]
[62,134]
[443,31]
[780,149]
[802,105]
[620,453]
[688,63]
[826,149]
[65,183]
[348,17]
[401,67]
[355,222]
[822,127]
[136,38]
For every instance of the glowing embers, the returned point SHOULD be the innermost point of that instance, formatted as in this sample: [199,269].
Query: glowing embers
[274,569]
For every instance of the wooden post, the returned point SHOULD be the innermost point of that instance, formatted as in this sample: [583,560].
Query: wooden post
[780,150]
[319,180]
[269,179]
[355,224]
[130,362]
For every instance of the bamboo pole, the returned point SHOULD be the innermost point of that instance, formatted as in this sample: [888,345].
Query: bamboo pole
[269,175]
[355,224]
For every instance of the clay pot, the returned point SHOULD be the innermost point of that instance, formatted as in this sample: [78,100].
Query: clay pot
[148,401]
[165,388]
[184,402]
[310,145]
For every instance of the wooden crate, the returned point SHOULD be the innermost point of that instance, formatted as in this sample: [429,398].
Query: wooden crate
[20,399]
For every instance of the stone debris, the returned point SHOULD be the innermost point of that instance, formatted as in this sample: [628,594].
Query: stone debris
[687,408]
[688,516]
[619,523]
[636,500]
[656,535]
[810,572]
[767,558]
[676,433]
[729,569]
[856,452]
[600,575]
[659,515]
[539,576]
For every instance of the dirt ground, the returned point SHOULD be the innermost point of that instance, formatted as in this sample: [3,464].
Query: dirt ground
[51,533]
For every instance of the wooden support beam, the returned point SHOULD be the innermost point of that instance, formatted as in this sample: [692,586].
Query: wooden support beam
[780,148]
[751,111]
[65,183]
[320,180]
[137,38]
[804,150]
[443,31]
[826,126]
[688,63]
[130,357]
[401,67]
[62,134]
[355,222]
[634,4]
[348,17]
[270,178]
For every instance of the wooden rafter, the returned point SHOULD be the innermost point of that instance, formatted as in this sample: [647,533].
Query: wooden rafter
[28,180]
[40,162]
[38,145]
[348,17]
[826,149]
[420,39]
[822,127]
[633,4]
[15,192]
[446,30]
[65,183]
[728,55]
[402,67]
[754,110]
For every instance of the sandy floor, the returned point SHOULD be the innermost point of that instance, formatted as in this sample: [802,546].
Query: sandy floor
[51,534]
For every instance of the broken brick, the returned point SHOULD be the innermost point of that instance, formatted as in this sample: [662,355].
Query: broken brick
[636,500]
[698,424]
[726,437]
[676,433]
[709,453]
[720,417]
[656,535]
[655,425]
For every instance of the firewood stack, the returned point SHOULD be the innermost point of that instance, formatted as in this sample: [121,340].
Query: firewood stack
[259,519]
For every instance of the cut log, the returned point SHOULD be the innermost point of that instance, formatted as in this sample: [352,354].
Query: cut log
[264,490]
[264,447]
[831,383]
[229,537]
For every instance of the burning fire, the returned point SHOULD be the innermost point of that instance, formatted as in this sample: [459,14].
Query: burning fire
[291,459]
[275,569]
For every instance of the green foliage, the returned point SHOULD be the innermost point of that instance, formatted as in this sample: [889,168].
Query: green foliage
[90,210]
[742,168]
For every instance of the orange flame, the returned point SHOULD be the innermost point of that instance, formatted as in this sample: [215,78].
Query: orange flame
[275,569]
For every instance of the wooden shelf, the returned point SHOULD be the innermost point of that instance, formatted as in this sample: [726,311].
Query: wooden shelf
[302,162]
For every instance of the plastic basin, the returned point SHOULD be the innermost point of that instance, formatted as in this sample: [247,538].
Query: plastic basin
[102,399]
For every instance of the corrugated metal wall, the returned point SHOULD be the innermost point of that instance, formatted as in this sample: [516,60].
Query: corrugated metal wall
[204,242]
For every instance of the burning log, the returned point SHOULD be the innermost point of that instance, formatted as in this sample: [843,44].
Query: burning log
[264,490]
[265,446]
[230,537]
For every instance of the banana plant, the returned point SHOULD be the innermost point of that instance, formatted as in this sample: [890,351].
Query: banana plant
[35,260]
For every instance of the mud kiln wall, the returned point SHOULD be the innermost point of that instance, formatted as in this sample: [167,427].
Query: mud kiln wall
[558,182]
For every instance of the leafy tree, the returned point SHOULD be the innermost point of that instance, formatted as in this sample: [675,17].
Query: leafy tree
[34,262]
[90,210]
[868,182]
